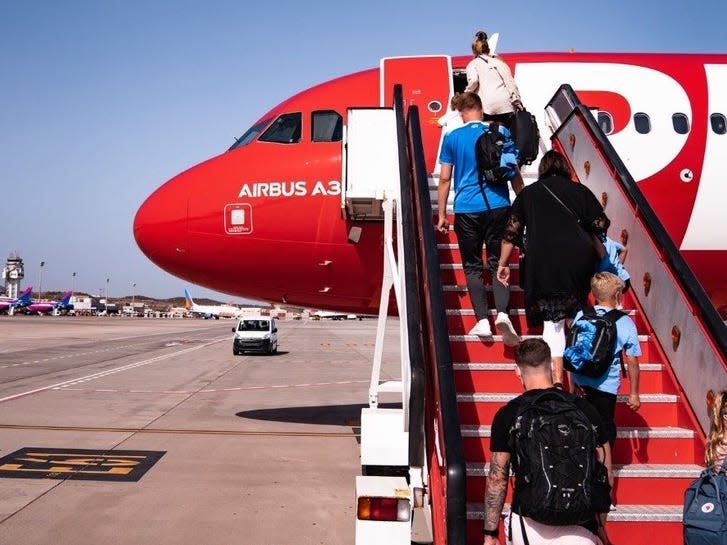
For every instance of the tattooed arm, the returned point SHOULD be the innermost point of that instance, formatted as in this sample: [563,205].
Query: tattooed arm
[495,494]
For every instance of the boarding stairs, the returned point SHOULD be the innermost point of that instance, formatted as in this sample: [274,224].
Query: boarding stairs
[659,449]
[656,454]
[453,383]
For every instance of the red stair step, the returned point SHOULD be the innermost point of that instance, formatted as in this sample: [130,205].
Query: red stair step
[500,377]
[629,524]
[634,483]
[667,445]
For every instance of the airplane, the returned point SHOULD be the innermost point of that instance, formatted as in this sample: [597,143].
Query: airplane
[266,219]
[329,315]
[62,305]
[209,311]
[10,305]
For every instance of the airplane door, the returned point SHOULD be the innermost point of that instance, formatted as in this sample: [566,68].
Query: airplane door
[427,83]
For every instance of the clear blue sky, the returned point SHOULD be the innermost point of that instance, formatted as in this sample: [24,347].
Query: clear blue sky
[101,101]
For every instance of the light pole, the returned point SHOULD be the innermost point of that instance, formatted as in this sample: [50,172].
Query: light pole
[107,296]
[40,283]
[73,282]
[133,299]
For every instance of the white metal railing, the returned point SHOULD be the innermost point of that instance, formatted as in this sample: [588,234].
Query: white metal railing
[393,278]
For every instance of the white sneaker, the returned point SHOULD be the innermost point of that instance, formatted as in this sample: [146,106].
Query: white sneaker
[504,326]
[481,329]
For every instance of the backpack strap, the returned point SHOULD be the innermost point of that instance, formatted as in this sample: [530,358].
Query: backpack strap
[522,529]
[613,316]
[494,67]
[481,182]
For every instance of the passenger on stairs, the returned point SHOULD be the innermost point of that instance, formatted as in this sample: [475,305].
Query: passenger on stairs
[551,466]
[614,260]
[558,218]
[453,118]
[601,391]
[449,121]
[481,213]
[492,80]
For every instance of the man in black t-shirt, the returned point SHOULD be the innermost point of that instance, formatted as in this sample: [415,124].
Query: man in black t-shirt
[533,369]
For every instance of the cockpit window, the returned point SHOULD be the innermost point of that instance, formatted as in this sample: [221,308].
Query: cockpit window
[680,122]
[642,123]
[285,129]
[719,123]
[605,121]
[327,126]
[250,134]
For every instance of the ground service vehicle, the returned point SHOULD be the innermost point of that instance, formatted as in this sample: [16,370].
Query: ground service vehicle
[259,334]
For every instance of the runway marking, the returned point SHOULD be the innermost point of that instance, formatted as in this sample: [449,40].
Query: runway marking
[108,372]
[209,390]
[243,433]
[168,345]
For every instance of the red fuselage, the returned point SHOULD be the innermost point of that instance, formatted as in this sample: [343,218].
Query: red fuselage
[264,220]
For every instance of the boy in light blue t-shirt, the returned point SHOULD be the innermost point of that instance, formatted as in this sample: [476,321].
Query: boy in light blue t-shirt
[601,391]
[614,260]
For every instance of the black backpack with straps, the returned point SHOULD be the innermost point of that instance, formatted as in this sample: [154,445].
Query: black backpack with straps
[558,480]
[488,152]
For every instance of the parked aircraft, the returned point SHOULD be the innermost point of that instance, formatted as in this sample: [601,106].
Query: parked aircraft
[10,305]
[269,210]
[329,315]
[209,311]
[47,307]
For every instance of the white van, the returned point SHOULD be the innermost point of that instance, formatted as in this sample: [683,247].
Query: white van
[259,334]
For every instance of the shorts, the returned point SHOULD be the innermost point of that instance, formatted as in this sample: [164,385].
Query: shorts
[544,534]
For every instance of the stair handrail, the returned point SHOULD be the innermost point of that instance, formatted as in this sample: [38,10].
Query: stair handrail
[564,106]
[444,440]
[415,406]
[566,98]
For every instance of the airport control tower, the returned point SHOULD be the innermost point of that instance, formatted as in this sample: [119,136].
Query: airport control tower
[13,274]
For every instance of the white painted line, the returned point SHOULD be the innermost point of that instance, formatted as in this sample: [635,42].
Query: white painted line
[112,371]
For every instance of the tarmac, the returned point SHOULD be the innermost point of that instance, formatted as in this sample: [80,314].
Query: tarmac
[182,442]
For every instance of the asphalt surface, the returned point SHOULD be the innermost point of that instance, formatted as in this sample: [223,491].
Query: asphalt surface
[258,450]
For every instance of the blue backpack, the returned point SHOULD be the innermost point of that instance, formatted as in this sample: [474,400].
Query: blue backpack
[705,509]
[591,343]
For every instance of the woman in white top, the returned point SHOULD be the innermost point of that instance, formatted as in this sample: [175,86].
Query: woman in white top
[492,80]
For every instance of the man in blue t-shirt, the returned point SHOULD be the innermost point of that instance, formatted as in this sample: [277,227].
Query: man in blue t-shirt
[481,213]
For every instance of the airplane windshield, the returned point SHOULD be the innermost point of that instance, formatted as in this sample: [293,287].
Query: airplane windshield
[286,129]
[250,134]
[254,325]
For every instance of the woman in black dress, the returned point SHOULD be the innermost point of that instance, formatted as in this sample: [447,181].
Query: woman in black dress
[559,219]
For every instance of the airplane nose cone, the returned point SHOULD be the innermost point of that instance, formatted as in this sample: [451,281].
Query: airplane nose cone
[160,225]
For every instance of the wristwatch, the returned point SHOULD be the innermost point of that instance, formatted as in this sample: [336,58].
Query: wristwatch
[491,533]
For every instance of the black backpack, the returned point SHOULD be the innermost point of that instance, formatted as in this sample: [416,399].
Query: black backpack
[558,480]
[488,152]
[591,343]
[525,133]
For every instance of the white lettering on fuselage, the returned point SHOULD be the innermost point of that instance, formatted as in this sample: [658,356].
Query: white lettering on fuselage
[298,188]
[645,89]
[708,222]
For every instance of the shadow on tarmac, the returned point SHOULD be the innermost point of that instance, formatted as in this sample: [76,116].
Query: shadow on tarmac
[327,415]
